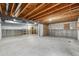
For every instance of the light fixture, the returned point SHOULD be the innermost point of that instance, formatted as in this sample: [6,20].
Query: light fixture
[35,23]
[14,19]
[50,20]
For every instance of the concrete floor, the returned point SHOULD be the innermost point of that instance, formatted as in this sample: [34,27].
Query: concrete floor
[38,46]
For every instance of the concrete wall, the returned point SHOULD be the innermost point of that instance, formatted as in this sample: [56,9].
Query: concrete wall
[9,33]
[78,34]
[63,33]
[9,29]
[78,28]
[58,30]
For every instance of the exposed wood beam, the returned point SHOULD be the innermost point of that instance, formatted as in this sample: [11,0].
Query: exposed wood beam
[11,13]
[66,11]
[71,11]
[63,12]
[34,10]
[64,19]
[3,5]
[68,14]
[0,8]
[17,9]
[45,10]
[24,9]
[17,13]
[46,14]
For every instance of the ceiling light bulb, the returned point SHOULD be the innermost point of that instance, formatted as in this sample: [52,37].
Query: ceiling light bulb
[50,19]
[35,23]
[14,19]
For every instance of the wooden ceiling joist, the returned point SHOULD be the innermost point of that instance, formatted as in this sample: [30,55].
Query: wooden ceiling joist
[41,12]
[11,13]
[65,11]
[34,9]
[68,10]
[68,14]
[0,8]
[66,18]
[44,10]
[18,7]
[3,6]
[46,14]
[24,9]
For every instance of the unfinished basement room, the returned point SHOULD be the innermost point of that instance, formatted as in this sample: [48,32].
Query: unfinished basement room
[39,29]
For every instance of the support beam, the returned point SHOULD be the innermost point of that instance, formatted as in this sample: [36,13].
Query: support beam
[0,8]
[17,13]
[40,29]
[24,9]
[69,11]
[68,16]
[3,8]
[11,14]
[43,29]
[17,9]
[78,29]
[34,10]
[44,10]
[46,14]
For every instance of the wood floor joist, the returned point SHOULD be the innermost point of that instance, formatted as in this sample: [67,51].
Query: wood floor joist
[53,11]
[11,13]
[68,10]
[34,10]
[0,8]
[24,9]
[40,12]
[44,10]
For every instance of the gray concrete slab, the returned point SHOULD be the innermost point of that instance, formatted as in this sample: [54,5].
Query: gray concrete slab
[32,45]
